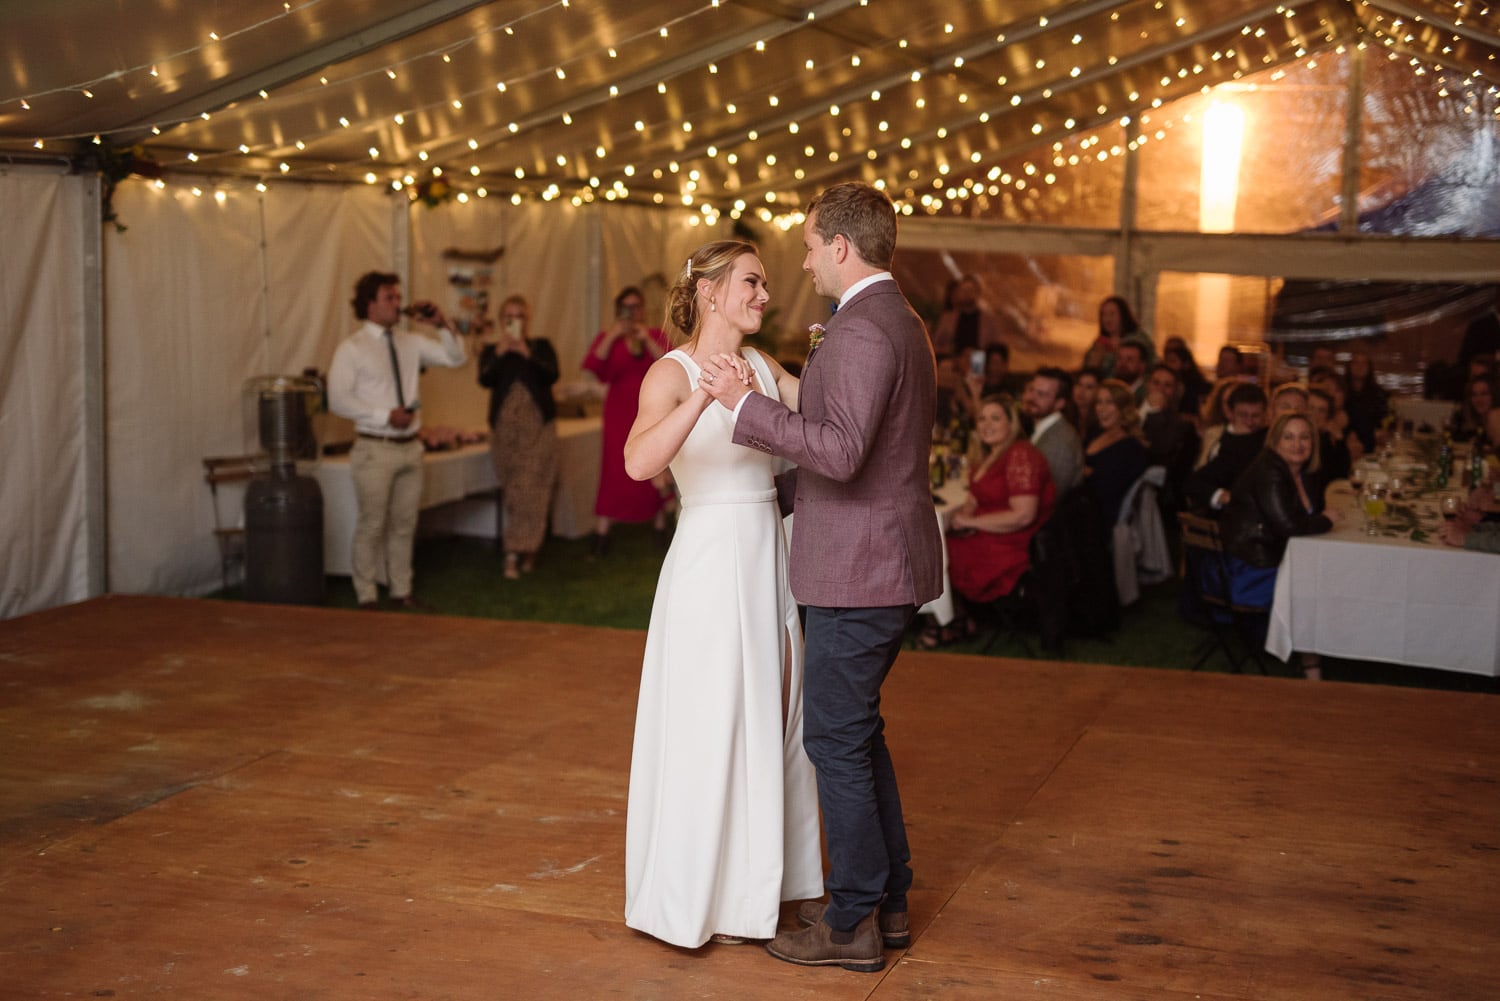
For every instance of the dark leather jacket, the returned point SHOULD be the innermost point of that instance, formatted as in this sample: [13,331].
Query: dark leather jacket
[1264,511]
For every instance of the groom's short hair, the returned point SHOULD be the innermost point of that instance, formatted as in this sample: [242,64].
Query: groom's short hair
[863,214]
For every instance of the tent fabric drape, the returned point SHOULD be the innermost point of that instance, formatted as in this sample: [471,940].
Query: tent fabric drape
[188,289]
[42,434]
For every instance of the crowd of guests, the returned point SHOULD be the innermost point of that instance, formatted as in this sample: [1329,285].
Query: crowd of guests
[1252,454]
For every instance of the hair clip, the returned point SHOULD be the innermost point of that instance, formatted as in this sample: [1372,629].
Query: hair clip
[687,271]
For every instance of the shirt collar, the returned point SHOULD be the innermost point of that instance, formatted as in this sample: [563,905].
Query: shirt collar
[1045,423]
[863,284]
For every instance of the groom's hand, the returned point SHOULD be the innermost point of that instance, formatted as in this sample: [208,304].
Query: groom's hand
[723,381]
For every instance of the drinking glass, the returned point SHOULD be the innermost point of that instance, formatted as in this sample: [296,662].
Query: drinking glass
[1372,502]
[1451,505]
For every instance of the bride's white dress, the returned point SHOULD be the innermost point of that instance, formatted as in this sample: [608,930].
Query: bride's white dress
[722,823]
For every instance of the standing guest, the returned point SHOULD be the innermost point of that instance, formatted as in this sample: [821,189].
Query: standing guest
[1117,456]
[1275,499]
[1195,388]
[1322,357]
[1085,390]
[989,536]
[1117,325]
[722,820]
[1364,401]
[1482,335]
[1241,440]
[519,371]
[1474,411]
[373,382]
[965,324]
[620,357]
[1048,396]
[866,553]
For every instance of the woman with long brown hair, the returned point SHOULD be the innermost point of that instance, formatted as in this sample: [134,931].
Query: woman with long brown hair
[722,824]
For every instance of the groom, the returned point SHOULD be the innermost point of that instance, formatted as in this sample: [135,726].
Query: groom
[865,556]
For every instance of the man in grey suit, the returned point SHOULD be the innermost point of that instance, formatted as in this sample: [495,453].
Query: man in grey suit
[1045,399]
[866,554]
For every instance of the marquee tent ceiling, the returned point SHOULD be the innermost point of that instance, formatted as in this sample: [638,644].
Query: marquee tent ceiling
[674,101]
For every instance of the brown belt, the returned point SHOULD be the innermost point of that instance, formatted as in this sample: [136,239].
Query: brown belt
[390,439]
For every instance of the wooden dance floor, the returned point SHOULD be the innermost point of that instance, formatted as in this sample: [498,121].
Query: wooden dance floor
[226,801]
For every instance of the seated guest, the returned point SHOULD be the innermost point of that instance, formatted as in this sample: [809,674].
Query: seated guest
[1130,368]
[1334,451]
[1010,497]
[1233,450]
[1085,389]
[1195,388]
[1212,417]
[1117,456]
[1288,398]
[1274,499]
[955,401]
[1474,410]
[997,374]
[1231,364]
[1171,440]
[1048,397]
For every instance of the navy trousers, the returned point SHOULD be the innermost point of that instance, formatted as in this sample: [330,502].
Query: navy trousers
[849,652]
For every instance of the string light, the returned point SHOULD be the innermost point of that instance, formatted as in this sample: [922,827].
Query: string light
[952,116]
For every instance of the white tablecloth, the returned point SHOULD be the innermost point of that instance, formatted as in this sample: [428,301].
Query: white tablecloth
[952,494]
[1346,594]
[450,481]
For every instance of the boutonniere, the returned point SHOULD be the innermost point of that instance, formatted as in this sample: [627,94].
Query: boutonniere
[814,337]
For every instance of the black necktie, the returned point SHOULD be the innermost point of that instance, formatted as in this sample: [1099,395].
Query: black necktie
[390,342]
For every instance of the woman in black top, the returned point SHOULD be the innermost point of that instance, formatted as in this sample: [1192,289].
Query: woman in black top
[519,371]
[1278,496]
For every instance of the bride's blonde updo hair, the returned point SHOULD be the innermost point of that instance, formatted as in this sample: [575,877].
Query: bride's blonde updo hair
[685,308]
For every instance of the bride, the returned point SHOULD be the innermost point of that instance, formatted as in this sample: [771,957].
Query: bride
[722,822]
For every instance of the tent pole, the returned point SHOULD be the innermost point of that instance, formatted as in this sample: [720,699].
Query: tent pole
[1353,126]
[95,442]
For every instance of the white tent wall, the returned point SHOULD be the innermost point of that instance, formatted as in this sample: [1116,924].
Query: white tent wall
[43,492]
[200,295]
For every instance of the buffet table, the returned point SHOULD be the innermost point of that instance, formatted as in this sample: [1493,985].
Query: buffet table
[1380,598]
[458,492]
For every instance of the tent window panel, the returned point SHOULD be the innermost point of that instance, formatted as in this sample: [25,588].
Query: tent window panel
[1046,305]
[1261,156]
[1429,153]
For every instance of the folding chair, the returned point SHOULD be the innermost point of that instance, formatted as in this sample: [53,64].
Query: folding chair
[231,538]
[1208,571]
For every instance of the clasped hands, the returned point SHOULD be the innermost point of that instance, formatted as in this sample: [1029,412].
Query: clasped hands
[726,378]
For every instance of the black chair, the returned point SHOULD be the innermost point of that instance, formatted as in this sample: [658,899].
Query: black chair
[1227,621]
[1009,613]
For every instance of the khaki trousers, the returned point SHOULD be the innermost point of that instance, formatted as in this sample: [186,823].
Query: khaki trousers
[388,489]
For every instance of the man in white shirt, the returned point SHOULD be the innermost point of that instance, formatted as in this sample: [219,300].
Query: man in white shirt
[1047,395]
[373,382]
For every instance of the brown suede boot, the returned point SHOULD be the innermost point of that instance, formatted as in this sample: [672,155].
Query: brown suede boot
[893,926]
[814,946]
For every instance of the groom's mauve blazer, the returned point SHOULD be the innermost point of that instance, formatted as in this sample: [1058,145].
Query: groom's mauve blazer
[865,534]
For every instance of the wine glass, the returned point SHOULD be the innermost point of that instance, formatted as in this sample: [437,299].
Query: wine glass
[1451,505]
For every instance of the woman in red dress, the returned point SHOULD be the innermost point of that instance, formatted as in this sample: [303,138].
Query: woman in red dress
[620,357]
[1010,498]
